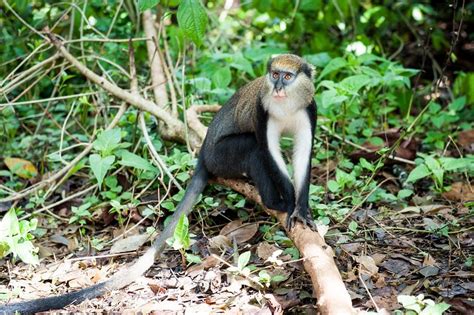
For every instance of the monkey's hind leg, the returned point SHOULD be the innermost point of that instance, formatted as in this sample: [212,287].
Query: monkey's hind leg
[237,156]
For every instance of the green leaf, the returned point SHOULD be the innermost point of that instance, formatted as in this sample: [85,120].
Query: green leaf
[353,226]
[365,164]
[458,104]
[192,19]
[331,97]
[243,260]
[333,186]
[147,4]
[354,83]
[404,193]
[318,60]
[418,172]
[26,251]
[193,258]
[222,77]
[107,141]
[100,166]
[451,164]
[239,62]
[9,224]
[133,160]
[435,168]
[435,309]
[181,233]
[332,66]
[409,302]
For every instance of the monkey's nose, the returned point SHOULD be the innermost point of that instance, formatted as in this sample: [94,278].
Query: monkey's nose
[279,93]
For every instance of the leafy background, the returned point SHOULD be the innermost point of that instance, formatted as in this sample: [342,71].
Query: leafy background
[394,78]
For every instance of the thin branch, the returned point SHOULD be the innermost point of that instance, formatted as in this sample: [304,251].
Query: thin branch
[176,127]
[355,145]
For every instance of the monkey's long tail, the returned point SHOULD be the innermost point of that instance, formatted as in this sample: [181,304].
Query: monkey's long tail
[127,275]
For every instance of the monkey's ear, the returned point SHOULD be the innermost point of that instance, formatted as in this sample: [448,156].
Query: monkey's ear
[269,64]
[309,70]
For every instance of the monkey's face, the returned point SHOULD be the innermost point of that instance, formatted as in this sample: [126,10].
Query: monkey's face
[281,79]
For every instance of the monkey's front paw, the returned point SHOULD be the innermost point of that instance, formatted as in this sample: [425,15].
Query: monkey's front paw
[300,215]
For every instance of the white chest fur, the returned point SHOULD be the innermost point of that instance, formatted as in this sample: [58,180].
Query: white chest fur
[297,125]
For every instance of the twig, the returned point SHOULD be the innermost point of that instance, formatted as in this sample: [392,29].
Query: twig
[175,127]
[355,145]
[12,84]
[55,204]
[45,100]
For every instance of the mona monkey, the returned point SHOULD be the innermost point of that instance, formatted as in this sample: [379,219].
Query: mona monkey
[242,141]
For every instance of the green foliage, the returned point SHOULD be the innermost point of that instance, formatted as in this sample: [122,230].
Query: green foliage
[192,19]
[81,214]
[421,306]
[100,166]
[181,238]
[435,168]
[147,4]
[15,238]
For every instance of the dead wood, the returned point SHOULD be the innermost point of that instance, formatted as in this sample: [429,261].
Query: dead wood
[158,79]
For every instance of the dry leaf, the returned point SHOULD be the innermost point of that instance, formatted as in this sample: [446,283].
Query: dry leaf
[460,192]
[265,250]
[238,231]
[130,243]
[429,261]
[220,242]
[368,264]
[208,262]
[22,168]
[466,140]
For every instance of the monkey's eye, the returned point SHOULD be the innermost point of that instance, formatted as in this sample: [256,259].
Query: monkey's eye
[288,76]
[275,75]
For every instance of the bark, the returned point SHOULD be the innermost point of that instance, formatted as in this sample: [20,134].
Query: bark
[158,79]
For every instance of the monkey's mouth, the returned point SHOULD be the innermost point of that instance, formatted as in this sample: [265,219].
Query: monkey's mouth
[279,94]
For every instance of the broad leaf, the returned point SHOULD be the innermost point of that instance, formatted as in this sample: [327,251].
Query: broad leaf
[354,83]
[107,141]
[133,160]
[222,77]
[181,233]
[22,168]
[419,172]
[192,19]
[100,166]
[147,4]
[243,260]
[332,66]
[435,168]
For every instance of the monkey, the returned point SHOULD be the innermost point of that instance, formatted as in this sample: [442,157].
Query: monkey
[242,141]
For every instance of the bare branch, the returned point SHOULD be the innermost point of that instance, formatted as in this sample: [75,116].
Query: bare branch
[158,79]
[175,127]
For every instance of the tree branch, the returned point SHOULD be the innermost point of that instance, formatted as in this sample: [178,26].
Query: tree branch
[175,126]
[330,291]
